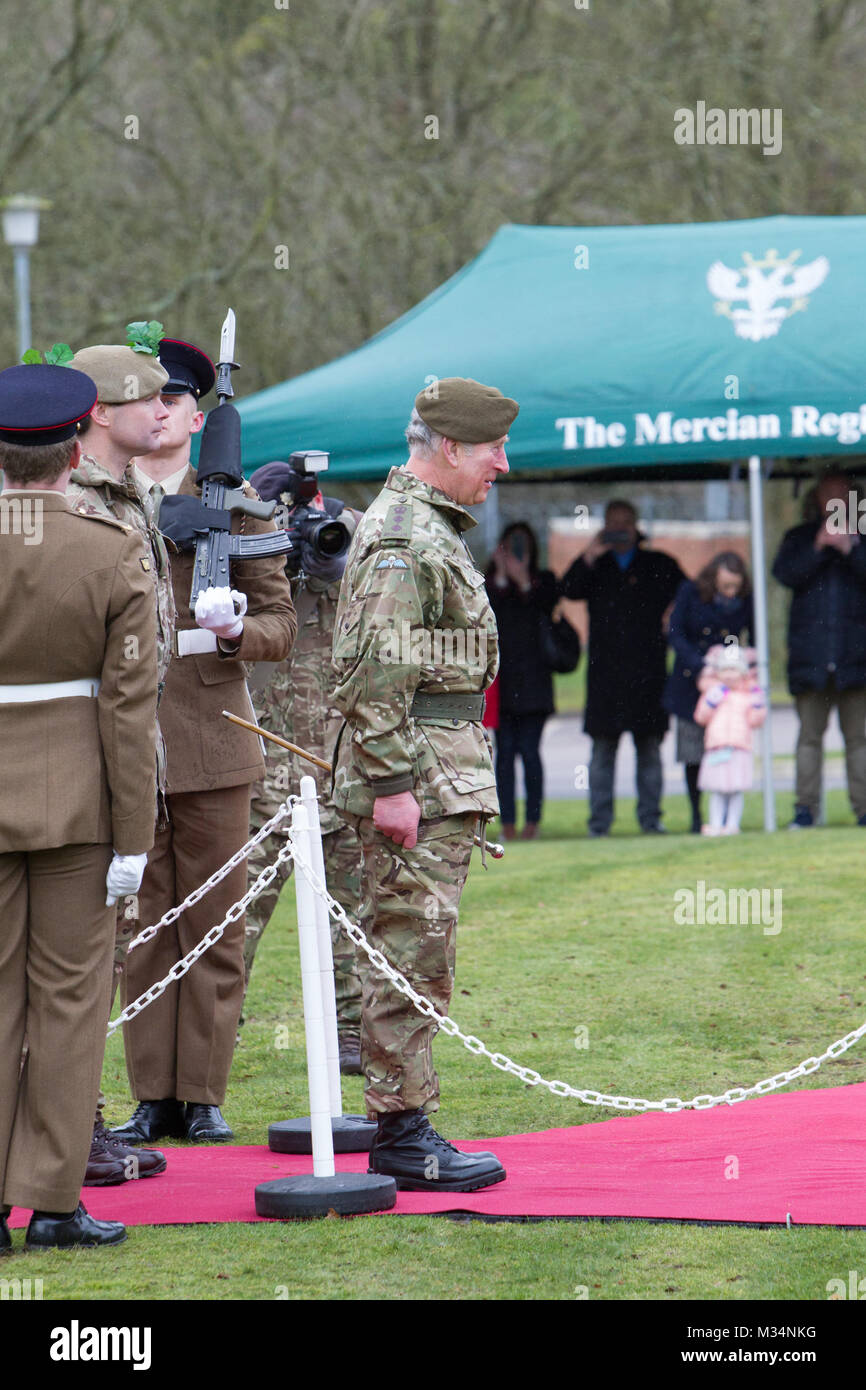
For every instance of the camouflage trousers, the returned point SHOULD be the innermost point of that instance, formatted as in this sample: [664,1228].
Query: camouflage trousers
[409,905]
[343,875]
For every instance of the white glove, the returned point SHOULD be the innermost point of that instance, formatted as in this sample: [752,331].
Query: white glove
[124,876]
[215,610]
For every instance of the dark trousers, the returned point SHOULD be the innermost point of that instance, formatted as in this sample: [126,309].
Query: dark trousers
[813,707]
[519,735]
[649,781]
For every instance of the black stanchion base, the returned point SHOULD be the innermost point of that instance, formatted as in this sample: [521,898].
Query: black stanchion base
[348,1194]
[353,1134]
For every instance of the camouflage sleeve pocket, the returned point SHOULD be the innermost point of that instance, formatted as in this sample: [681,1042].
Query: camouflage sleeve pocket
[346,635]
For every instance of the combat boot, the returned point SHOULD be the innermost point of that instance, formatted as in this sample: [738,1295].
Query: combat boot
[408,1149]
[111,1161]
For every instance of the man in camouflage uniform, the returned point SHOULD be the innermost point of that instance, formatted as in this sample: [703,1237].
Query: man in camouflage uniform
[126,420]
[416,647]
[294,700]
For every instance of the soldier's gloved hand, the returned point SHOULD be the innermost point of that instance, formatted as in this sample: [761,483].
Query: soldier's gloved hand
[398,817]
[215,610]
[124,876]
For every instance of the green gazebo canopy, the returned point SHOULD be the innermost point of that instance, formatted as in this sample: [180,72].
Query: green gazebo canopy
[668,344]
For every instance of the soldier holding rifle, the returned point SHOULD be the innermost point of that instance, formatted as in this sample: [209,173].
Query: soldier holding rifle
[179,1050]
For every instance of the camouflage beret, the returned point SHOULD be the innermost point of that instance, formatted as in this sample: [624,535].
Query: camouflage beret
[121,375]
[465,410]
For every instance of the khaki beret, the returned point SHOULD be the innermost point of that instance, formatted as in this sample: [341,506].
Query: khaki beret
[465,410]
[121,375]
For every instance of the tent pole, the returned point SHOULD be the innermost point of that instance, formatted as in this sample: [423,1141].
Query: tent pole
[762,632]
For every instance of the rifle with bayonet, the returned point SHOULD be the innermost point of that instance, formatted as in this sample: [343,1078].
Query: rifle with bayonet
[205,523]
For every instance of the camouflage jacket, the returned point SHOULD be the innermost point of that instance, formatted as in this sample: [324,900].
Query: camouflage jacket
[413,617]
[297,703]
[92,489]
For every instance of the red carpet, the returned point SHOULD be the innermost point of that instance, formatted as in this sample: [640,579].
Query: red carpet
[801,1153]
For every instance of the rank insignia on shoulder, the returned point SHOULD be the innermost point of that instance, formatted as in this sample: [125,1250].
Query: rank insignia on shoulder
[144,562]
[398,523]
[392,562]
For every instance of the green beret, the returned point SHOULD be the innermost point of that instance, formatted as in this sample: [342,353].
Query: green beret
[465,410]
[121,375]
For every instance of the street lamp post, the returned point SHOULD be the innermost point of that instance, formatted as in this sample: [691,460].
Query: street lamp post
[21,232]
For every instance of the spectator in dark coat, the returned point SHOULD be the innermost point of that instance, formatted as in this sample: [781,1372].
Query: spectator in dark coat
[824,562]
[522,597]
[715,606]
[628,590]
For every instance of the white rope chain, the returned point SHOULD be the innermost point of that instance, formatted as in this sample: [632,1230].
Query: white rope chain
[562,1088]
[198,893]
[426,1007]
[178,970]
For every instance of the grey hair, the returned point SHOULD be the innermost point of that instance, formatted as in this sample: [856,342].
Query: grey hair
[420,438]
[423,440]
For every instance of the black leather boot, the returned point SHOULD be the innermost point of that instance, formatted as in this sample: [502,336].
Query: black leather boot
[152,1120]
[408,1149]
[205,1124]
[50,1230]
[5,1237]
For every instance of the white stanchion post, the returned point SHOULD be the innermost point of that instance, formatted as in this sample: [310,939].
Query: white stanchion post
[314,1023]
[325,1191]
[309,799]
[762,634]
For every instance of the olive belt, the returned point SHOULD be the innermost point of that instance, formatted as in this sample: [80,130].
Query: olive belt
[444,706]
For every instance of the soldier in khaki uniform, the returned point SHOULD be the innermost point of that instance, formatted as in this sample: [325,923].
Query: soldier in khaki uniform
[295,701]
[179,1050]
[128,419]
[416,648]
[78,684]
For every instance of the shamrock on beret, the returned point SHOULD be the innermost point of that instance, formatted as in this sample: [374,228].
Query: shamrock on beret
[144,336]
[56,356]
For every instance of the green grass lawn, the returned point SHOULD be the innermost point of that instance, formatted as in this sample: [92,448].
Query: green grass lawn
[564,932]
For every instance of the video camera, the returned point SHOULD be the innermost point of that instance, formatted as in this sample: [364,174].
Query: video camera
[327,536]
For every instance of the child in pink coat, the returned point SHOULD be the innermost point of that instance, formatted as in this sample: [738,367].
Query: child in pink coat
[730,707]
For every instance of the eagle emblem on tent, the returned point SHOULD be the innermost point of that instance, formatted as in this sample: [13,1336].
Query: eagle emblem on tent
[761,284]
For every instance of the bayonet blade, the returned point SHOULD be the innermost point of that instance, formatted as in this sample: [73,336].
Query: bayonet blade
[227,339]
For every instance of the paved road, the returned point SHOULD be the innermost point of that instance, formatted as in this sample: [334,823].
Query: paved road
[565,751]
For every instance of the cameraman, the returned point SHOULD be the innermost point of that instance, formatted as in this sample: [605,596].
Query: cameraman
[294,701]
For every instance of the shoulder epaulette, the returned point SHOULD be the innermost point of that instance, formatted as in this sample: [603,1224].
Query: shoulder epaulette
[82,510]
[398,524]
